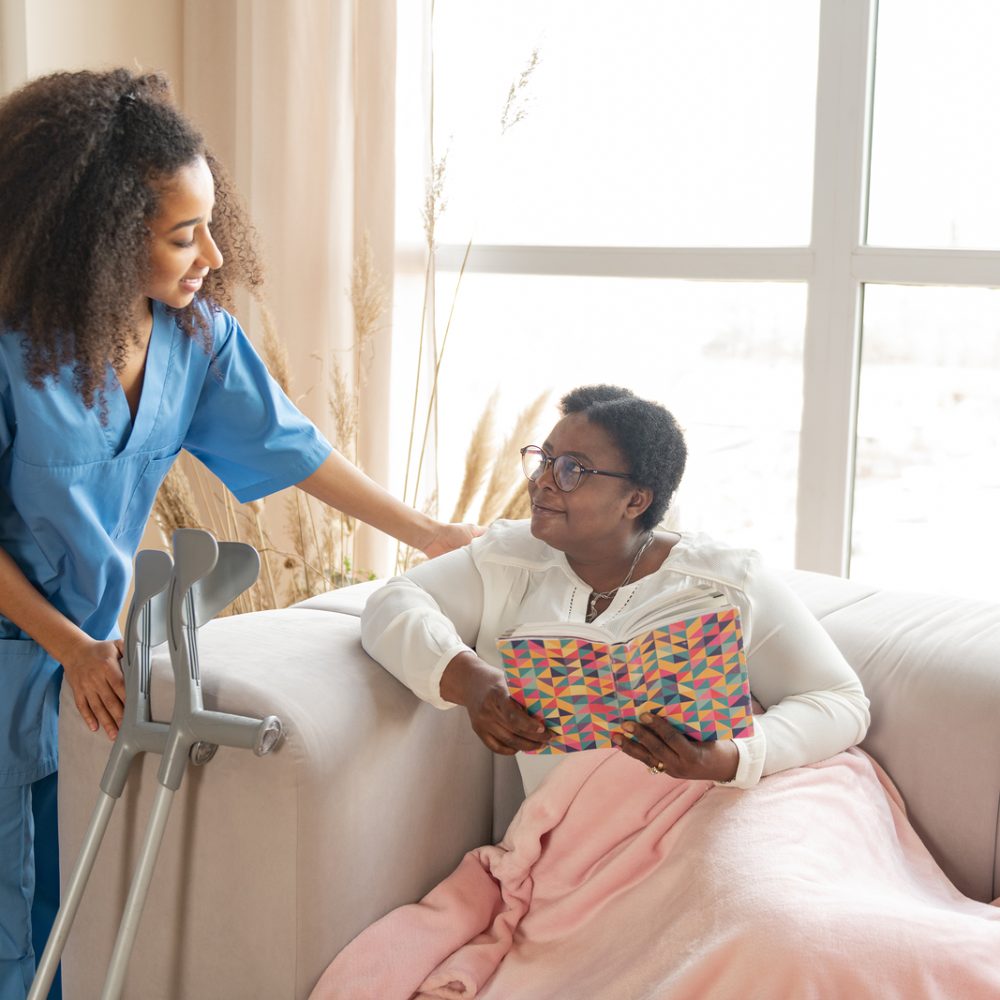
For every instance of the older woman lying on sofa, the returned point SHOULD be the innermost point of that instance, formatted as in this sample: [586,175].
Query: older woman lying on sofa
[689,876]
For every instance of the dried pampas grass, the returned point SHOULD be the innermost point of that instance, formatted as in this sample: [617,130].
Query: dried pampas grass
[477,460]
[175,506]
[506,477]
[343,403]
[275,352]
[434,200]
[369,299]
[516,106]
[519,506]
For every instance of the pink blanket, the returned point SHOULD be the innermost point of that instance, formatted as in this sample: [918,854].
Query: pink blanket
[614,883]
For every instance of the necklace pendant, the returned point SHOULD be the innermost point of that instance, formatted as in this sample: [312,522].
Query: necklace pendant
[598,595]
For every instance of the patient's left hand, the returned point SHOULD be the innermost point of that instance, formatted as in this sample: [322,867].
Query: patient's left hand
[450,536]
[654,741]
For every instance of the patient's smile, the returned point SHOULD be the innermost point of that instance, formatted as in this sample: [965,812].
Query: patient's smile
[545,510]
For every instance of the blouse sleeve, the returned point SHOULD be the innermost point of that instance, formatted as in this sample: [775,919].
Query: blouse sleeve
[245,429]
[417,623]
[815,705]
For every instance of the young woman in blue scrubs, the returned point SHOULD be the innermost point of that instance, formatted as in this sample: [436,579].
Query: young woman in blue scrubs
[121,243]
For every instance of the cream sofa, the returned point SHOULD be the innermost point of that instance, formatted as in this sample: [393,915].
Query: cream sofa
[271,864]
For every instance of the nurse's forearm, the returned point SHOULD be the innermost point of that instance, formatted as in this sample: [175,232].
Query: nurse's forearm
[342,485]
[22,604]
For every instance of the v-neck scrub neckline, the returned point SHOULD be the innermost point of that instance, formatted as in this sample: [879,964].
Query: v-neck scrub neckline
[124,432]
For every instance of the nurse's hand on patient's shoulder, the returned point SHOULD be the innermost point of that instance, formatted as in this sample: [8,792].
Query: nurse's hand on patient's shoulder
[450,536]
[499,721]
[94,673]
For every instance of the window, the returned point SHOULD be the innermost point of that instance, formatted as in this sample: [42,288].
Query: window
[935,142]
[928,469]
[646,124]
[772,216]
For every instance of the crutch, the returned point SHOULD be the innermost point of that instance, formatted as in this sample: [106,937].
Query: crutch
[207,575]
[145,627]
[205,587]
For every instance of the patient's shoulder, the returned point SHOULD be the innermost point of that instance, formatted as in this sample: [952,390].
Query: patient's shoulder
[702,555]
[511,543]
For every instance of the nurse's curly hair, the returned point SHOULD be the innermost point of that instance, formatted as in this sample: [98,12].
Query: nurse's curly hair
[83,160]
[646,434]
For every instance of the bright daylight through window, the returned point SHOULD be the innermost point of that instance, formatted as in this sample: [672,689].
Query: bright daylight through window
[645,215]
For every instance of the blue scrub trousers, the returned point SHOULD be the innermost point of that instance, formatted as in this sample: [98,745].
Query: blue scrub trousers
[29,882]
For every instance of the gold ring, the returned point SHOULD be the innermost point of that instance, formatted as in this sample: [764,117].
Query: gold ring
[657,768]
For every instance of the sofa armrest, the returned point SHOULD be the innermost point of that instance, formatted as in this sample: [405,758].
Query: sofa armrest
[347,600]
[270,865]
[931,667]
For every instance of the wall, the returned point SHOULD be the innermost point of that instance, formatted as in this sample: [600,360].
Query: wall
[43,36]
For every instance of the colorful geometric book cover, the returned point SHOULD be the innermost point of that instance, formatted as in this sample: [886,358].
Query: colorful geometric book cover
[691,670]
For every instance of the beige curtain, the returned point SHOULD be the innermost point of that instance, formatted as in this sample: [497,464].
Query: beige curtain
[297,99]
[13,45]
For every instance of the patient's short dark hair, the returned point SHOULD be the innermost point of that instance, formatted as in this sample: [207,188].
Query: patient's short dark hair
[645,433]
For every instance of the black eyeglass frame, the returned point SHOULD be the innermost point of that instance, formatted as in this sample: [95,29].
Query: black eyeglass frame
[550,460]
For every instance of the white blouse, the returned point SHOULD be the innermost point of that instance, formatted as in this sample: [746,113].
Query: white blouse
[815,705]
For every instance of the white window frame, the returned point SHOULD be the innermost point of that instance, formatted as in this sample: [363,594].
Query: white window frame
[835,267]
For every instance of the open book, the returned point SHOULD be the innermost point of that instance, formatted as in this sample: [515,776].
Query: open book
[682,659]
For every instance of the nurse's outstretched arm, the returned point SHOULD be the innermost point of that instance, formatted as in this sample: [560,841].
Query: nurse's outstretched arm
[344,486]
[91,667]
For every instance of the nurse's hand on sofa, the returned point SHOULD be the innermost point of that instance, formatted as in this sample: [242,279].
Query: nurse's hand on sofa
[94,674]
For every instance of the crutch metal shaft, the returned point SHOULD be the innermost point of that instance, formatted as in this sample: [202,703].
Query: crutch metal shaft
[46,970]
[137,893]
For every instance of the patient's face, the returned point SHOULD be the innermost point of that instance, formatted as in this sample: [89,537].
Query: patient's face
[595,510]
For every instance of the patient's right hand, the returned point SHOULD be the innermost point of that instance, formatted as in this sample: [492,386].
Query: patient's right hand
[499,721]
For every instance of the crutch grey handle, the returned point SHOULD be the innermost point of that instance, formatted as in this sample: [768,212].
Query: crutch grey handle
[259,735]
[145,627]
[214,729]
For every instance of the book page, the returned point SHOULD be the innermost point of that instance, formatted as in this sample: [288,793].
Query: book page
[648,615]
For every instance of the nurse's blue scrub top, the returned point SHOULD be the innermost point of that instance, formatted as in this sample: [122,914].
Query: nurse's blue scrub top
[75,494]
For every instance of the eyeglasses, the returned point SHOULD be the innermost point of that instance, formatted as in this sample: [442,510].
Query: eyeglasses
[567,472]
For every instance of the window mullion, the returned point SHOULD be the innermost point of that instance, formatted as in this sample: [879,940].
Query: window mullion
[895,266]
[833,317]
[691,263]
